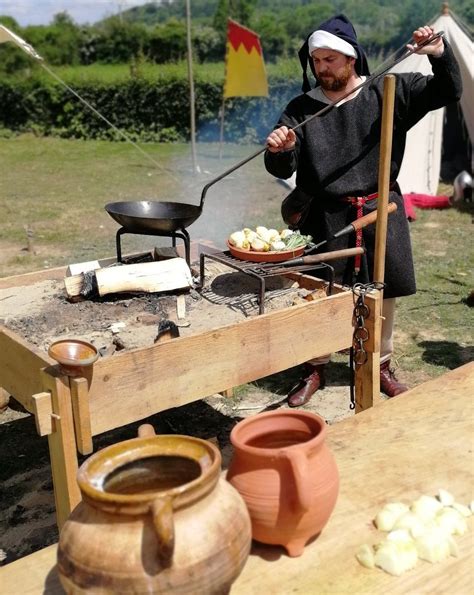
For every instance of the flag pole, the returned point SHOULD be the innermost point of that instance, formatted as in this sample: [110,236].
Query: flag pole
[221,137]
[191,86]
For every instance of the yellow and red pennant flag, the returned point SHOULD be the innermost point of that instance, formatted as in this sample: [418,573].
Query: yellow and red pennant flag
[245,68]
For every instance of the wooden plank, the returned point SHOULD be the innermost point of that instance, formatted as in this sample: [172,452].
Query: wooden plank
[43,409]
[82,420]
[20,364]
[26,279]
[181,306]
[429,452]
[62,446]
[27,576]
[139,383]
[34,277]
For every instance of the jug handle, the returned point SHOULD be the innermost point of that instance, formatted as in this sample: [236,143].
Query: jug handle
[162,513]
[299,468]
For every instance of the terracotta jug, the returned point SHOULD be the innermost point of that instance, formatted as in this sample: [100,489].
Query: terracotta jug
[286,474]
[156,517]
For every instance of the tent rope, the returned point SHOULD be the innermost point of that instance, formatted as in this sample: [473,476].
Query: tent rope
[108,122]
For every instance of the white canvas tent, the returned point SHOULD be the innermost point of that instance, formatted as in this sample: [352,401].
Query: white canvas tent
[421,166]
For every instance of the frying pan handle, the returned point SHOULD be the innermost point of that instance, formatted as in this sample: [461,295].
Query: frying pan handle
[227,172]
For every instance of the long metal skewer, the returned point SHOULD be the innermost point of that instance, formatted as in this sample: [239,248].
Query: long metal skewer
[323,111]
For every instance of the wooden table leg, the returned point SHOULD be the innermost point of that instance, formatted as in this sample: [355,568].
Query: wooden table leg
[81,414]
[367,375]
[367,382]
[228,392]
[62,446]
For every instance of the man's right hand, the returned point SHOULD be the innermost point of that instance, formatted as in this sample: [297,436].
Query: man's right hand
[281,139]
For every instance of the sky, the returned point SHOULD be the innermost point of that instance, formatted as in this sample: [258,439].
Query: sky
[41,12]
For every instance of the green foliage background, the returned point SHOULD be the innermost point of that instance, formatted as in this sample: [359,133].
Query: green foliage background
[131,67]
[157,32]
[151,105]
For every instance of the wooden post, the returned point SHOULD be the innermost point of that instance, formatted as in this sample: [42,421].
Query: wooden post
[384,177]
[191,86]
[367,376]
[62,446]
[367,379]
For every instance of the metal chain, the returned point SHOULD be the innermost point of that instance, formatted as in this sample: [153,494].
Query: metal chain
[358,354]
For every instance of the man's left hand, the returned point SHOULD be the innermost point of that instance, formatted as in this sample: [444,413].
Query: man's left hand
[436,48]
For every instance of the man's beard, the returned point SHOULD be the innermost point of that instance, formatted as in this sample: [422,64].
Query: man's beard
[336,82]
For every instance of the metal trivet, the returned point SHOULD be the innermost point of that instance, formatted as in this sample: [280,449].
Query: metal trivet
[181,233]
[261,271]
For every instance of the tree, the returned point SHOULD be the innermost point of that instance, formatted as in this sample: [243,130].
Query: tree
[274,39]
[239,10]
[167,43]
[12,58]
[118,42]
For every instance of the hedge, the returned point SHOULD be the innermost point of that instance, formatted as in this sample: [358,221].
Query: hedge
[147,110]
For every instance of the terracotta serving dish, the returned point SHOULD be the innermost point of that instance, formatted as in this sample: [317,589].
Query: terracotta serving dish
[272,256]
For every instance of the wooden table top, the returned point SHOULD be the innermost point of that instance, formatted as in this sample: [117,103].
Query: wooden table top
[411,445]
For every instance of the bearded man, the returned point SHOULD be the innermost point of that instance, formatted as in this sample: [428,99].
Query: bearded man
[336,159]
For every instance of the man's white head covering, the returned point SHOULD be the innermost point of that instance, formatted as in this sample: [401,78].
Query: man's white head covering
[327,41]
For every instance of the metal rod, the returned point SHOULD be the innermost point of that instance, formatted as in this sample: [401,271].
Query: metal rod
[320,112]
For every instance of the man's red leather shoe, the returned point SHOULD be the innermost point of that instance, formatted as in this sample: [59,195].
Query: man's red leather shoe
[388,381]
[307,386]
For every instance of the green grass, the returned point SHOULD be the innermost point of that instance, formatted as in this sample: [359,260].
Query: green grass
[58,188]
[436,325]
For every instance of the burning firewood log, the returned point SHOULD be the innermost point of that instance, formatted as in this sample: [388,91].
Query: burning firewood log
[165,275]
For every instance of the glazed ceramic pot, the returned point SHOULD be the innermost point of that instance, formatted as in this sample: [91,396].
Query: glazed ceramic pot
[156,517]
[286,474]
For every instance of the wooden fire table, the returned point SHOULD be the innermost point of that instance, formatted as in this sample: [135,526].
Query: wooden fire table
[133,385]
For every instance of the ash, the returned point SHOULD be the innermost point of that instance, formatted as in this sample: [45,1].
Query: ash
[42,314]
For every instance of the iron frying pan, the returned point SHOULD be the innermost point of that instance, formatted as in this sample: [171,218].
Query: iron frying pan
[146,216]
